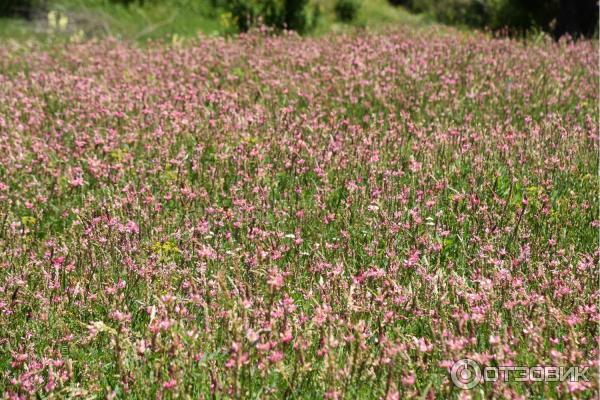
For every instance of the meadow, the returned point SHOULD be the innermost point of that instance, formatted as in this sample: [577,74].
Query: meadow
[275,216]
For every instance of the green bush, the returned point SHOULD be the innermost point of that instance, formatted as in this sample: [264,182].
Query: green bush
[280,14]
[468,12]
[577,17]
[127,2]
[346,10]
[20,8]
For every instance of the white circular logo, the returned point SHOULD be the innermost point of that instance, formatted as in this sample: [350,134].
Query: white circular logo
[466,374]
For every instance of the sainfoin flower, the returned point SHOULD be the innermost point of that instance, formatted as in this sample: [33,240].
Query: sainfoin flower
[274,216]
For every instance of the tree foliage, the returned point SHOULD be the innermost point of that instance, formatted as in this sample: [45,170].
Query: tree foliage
[558,17]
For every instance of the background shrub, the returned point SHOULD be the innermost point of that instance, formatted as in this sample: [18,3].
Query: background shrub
[127,2]
[280,14]
[576,17]
[20,8]
[346,10]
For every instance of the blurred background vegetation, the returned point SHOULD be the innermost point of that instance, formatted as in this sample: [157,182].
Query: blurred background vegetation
[147,19]
[153,19]
[516,17]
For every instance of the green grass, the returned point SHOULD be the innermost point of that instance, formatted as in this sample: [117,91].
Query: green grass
[19,29]
[372,14]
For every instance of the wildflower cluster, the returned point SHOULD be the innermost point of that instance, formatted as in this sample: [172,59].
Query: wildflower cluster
[285,217]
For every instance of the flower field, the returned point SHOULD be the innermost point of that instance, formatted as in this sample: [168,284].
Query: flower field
[271,217]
